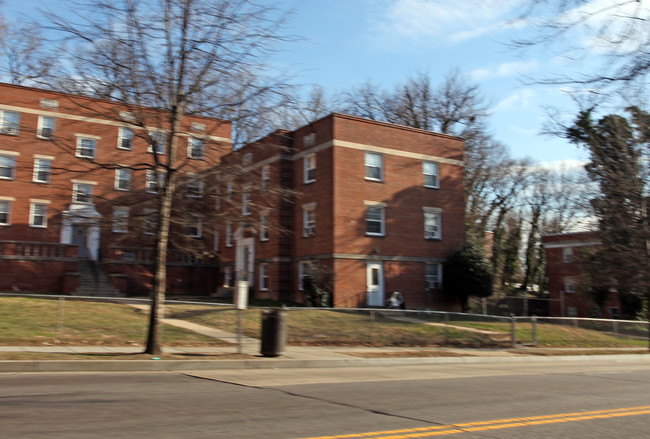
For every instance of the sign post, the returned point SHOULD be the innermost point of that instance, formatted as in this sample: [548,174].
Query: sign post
[241,303]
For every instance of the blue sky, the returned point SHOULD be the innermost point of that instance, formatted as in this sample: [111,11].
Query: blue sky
[344,43]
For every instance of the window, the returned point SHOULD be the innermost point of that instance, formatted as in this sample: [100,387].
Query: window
[9,122]
[45,127]
[567,254]
[195,148]
[374,166]
[157,140]
[120,219]
[430,173]
[7,166]
[229,190]
[375,220]
[125,138]
[86,147]
[309,139]
[569,285]
[82,193]
[227,277]
[193,227]
[265,176]
[42,169]
[432,217]
[247,159]
[123,179]
[309,163]
[5,212]
[228,235]
[38,214]
[150,225]
[246,200]
[264,227]
[433,276]
[264,277]
[154,181]
[309,219]
[194,186]
[215,241]
[304,269]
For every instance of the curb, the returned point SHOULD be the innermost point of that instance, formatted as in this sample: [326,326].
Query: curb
[52,366]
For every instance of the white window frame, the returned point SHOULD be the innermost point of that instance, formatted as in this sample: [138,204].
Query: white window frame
[570,285]
[123,179]
[433,173]
[10,164]
[309,220]
[432,223]
[154,181]
[227,277]
[228,238]
[160,139]
[5,210]
[246,199]
[265,176]
[229,190]
[193,223]
[150,222]
[303,267]
[125,136]
[264,226]
[42,169]
[433,275]
[76,186]
[86,146]
[196,148]
[46,125]
[194,186]
[9,122]
[567,254]
[376,208]
[264,276]
[120,219]
[369,166]
[38,210]
[309,168]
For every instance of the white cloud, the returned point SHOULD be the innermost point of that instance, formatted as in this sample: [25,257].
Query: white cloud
[519,100]
[564,166]
[441,19]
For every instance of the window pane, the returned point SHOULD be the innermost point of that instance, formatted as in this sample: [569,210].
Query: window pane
[7,166]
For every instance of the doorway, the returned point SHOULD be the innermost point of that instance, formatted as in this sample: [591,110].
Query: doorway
[375,283]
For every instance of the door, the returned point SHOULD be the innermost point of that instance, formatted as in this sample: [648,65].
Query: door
[80,239]
[375,283]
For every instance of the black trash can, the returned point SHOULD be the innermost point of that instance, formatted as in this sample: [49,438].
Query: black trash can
[274,331]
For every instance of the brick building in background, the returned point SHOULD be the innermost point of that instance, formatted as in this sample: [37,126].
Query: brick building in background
[379,205]
[59,210]
[568,285]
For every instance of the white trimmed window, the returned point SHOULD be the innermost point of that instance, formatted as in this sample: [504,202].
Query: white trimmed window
[38,214]
[569,285]
[150,224]
[123,179]
[5,212]
[374,166]
[265,176]
[430,174]
[375,219]
[264,227]
[264,277]
[45,128]
[567,254]
[193,227]
[433,276]
[432,223]
[309,219]
[228,238]
[309,165]
[195,148]
[120,219]
[303,273]
[9,122]
[86,147]
[229,190]
[157,141]
[82,192]
[227,277]
[7,166]
[154,181]
[194,186]
[125,138]
[42,169]
[246,199]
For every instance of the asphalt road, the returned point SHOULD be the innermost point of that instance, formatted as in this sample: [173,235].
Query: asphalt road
[585,399]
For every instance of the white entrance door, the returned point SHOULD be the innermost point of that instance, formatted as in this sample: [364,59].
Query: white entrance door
[375,283]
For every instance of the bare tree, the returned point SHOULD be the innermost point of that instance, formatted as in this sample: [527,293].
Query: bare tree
[162,60]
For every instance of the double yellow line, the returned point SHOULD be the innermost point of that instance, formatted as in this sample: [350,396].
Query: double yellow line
[497,424]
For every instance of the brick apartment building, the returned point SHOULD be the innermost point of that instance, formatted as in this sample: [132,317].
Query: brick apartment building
[379,205]
[57,207]
[568,286]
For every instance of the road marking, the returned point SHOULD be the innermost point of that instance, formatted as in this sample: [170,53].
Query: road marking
[442,430]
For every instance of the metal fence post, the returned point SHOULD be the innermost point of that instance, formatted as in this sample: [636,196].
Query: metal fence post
[59,319]
[513,330]
[533,320]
